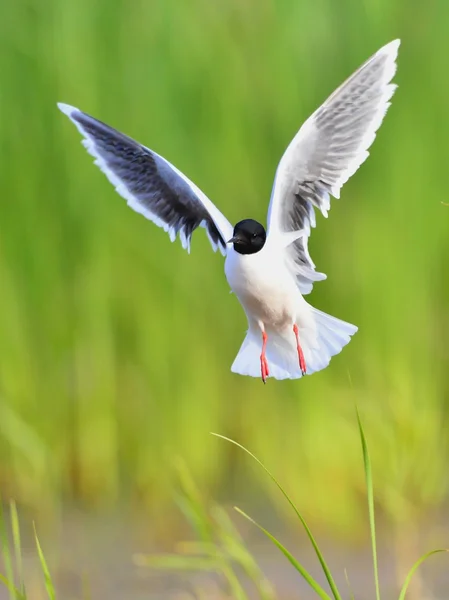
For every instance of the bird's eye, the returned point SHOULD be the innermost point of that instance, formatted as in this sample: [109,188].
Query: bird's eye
[254,235]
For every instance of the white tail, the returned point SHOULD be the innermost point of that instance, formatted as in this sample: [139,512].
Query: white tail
[321,338]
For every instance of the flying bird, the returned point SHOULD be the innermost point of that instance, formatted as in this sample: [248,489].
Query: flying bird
[269,269]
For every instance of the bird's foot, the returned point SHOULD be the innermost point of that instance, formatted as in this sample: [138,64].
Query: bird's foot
[302,361]
[263,359]
[264,367]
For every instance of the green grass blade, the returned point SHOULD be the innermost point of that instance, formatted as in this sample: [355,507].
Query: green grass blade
[6,553]
[191,503]
[351,593]
[214,564]
[415,567]
[320,557]
[47,577]
[370,496]
[305,574]
[235,587]
[13,591]
[17,544]
[235,547]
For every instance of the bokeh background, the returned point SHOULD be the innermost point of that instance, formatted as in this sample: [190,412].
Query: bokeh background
[116,346]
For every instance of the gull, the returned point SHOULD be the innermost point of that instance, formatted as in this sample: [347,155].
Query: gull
[269,269]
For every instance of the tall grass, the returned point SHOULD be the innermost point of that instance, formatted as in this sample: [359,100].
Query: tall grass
[223,551]
[219,547]
[115,345]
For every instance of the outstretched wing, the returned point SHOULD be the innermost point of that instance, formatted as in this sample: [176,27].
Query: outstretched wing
[150,184]
[326,151]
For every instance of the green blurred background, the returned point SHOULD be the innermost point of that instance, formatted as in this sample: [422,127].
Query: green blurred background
[116,346]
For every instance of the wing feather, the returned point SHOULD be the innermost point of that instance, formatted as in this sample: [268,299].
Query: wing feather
[150,184]
[325,153]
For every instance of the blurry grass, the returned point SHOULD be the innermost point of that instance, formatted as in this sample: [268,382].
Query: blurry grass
[11,554]
[320,557]
[221,550]
[112,338]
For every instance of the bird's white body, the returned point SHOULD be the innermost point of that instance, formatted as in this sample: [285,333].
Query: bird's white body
[273,304]
[286,336]
[265,287]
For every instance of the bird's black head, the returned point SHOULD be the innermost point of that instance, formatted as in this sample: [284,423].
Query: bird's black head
[249,237]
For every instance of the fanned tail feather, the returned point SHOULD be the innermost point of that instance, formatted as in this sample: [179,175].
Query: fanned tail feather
[324,336]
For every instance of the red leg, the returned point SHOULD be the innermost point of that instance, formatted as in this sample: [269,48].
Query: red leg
[302,362]
[263,359]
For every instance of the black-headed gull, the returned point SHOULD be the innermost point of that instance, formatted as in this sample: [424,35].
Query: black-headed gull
[269,270]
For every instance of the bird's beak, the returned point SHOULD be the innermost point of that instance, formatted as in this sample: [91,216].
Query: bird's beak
[234,240]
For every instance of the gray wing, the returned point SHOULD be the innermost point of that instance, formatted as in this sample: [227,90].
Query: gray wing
[326,151]
[150,184]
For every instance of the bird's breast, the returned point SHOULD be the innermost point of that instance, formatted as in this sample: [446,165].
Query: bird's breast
[264,286]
